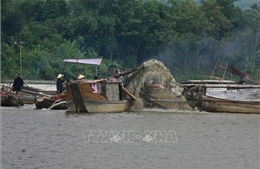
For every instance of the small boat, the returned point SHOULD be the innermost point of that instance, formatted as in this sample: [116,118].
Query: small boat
[9,99]
[27,94]
[49,103]
[225,97]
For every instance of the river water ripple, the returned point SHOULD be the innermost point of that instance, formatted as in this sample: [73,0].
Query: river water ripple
[53,139]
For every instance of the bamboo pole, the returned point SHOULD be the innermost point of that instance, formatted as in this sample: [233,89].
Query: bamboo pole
[214,70]
[225,72]
[21,67]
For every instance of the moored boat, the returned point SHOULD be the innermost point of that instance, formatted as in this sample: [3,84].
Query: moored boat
[225,97]
[10,99]
[27,95]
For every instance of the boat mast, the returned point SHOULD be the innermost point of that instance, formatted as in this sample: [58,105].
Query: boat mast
[20,48]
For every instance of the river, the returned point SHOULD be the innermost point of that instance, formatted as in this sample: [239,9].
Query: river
[147,139]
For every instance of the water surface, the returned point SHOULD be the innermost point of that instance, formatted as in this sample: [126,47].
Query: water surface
[53,139]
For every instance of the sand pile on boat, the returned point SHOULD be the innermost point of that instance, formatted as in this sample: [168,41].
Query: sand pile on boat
[156,87]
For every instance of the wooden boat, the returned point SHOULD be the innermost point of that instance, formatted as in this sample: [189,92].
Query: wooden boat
[150,85]
[9,98]
[27,95]
[41,98]
[49,103]
[81,97]
[226,97]
[35,91]
[95,96]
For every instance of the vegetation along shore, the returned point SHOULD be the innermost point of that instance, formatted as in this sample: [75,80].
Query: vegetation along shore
[191,37]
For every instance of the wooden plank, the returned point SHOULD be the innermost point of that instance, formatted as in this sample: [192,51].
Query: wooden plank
[77,98]
[209,81]
[128,93]
[232,86]
[222,85]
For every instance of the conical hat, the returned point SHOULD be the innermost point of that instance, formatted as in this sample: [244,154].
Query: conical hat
[59,76]
[81,77]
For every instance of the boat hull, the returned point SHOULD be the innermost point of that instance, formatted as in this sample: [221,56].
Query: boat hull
[225,98]
[99,106]
[9,100]
[45,103]
[227,106]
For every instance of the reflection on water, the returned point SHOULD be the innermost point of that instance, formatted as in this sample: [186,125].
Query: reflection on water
[54,139]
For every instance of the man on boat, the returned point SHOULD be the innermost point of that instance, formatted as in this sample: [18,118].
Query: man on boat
[59,83]
[80,78]
[17,86]
[242,81]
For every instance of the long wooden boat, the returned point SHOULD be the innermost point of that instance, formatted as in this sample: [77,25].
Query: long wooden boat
[27,95]
[81,97]
[225,97]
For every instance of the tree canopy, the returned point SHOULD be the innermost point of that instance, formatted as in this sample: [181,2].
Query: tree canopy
[190,38]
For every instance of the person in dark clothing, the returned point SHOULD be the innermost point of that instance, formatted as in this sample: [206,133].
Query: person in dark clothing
[18,84]
[17,87]
[59,83]
[242,81]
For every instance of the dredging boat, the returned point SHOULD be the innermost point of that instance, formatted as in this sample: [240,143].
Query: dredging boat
[98,95]
[81,97]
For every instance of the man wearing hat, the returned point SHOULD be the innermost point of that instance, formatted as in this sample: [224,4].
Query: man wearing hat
[59,83]
[17,85]
[80,78]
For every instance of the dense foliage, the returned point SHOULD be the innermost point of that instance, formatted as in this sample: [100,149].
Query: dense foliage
[192,39]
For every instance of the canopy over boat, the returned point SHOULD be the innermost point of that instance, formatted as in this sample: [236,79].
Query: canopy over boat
[94,61]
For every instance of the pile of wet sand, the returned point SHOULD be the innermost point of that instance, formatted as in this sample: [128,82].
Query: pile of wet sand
[156,77]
